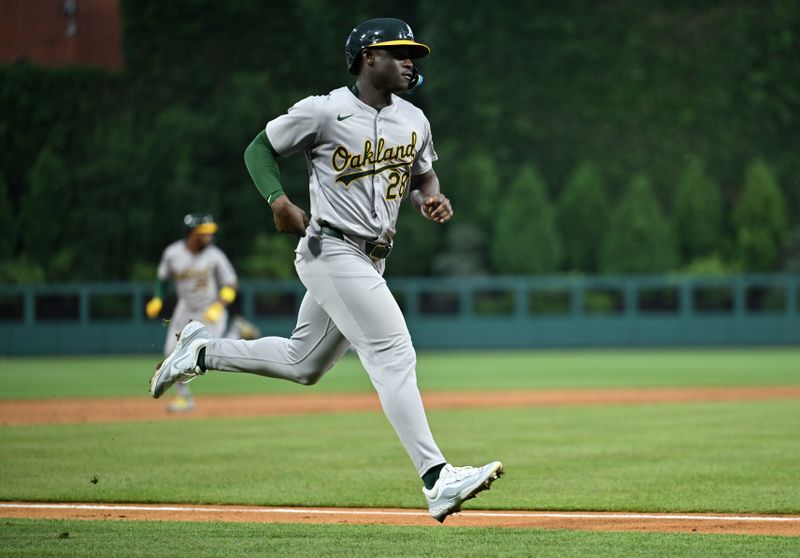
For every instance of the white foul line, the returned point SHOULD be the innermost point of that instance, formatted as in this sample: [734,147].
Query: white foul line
[368,512]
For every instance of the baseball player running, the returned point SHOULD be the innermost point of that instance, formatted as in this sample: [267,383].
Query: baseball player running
[206,284]
[367,150]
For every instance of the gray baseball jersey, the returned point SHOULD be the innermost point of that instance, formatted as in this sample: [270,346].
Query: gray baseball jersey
[198,277]
[360,161]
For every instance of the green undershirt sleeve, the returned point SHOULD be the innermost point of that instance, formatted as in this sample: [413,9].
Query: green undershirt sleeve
[160,288]
[262,164]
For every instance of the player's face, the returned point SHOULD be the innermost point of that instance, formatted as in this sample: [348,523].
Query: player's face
[392,68]
[205,239]
[200,241]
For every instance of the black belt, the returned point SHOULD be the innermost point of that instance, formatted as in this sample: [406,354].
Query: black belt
[373,250]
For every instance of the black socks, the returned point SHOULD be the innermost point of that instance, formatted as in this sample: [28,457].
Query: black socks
[201,359]
[432,475]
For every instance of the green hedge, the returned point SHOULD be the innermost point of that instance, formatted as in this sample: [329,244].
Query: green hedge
[646,89]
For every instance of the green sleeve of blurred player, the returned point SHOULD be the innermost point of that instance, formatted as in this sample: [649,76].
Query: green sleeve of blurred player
[155,304]
[159,288]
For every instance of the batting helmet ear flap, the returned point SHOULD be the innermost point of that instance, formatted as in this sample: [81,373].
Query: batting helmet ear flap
[416,80]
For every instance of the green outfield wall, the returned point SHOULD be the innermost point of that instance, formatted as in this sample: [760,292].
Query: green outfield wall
[483,312]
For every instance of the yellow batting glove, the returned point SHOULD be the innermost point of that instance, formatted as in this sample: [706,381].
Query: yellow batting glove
[227,294]
[214,313]
[153,307]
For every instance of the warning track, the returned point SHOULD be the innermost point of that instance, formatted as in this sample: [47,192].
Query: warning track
[592,521]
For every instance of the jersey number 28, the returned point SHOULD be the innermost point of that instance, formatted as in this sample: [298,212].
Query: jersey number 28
[398,185]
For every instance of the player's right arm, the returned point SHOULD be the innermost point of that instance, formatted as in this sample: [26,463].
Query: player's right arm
[261,160]
[290,133]
[155,304]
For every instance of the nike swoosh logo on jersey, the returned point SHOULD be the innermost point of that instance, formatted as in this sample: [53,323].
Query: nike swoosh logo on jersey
[339,117]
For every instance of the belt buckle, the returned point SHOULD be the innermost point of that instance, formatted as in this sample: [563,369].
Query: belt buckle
[379,251]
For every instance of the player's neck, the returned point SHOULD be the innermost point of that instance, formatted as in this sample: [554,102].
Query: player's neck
[193,246]
[372,96]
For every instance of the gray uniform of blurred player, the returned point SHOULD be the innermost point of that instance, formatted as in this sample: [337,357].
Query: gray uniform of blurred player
[200,271]
[198,279]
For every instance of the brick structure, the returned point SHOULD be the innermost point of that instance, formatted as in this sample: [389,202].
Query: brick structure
[61,32]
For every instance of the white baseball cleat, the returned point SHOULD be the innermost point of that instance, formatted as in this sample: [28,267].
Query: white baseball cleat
[182,363]
[457,485]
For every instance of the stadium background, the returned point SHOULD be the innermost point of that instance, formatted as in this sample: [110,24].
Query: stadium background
[625,139]
[624,175]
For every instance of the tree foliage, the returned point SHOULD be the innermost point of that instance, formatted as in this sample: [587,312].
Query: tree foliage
[639,239]
[41,220]
[760,219]
[525,238]
[8,229]
[582,215]
[271,258]
[645,87]
[465,251]
[697,212]
[475,189]
[418,244]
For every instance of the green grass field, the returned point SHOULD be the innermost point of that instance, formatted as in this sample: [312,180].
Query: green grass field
[106,376]
[709,457]
[734,457]
[122,539]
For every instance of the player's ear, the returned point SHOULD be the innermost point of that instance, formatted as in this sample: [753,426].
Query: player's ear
[368,57]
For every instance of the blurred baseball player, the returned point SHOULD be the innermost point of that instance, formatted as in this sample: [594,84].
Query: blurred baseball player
[206,284]
[367,150]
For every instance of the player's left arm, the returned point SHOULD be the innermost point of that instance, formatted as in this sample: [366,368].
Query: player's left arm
[226,276]
[226,295]
[427,198]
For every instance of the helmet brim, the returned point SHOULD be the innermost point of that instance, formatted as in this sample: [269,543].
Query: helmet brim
[205,228]
[415,49]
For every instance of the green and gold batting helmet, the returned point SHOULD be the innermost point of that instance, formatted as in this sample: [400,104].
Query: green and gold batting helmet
[381,32]
[202,223]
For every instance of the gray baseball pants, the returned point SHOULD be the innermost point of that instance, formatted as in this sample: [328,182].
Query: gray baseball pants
[347,302]
[182,316]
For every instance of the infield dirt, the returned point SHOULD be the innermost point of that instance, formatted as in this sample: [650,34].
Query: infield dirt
[590,521]
[67,411]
